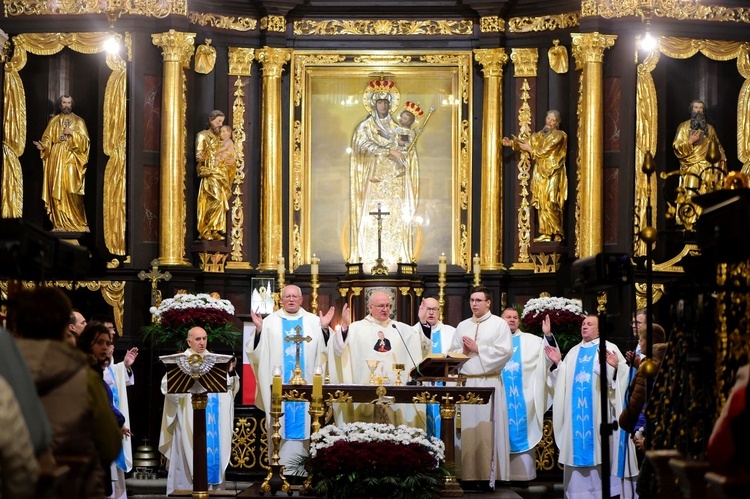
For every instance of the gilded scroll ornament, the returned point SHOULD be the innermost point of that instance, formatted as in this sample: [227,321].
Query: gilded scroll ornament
[239,137]
[205,58]
[524,176]
[543,23]
[273,23]
[558,57]
[223,22]
[148,8]
[641,296]
[674,9]
[245,452]
[545,263]
[382,27]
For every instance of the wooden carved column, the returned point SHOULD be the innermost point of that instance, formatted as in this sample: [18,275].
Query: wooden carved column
[272,61]
[588,51]
[177,48]
[491,236]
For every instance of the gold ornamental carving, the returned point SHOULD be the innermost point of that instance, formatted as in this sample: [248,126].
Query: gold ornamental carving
[543,23]
[212,262]
[492,61]
[546,450]
[524,62]
[240,61]
[205,57]
[223,22]
[273,23]
[175,46]
[382,27]
[558,57]
[524,176]
[589,47]
[675,9]
[545,264]
[238,213]
[641,296]
[301,62]
[492,24]
[148,8]
[245,446]
[114,126]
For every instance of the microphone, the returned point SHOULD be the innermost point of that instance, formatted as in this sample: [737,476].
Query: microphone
[415,372]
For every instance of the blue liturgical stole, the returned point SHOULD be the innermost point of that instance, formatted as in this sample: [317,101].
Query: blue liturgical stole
[518,429]
[433,410]
[213,458]
[120,461]
[582,396]
[294,412]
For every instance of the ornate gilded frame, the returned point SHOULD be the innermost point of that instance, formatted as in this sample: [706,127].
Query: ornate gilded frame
[114,126]
[647,121]
[354,70]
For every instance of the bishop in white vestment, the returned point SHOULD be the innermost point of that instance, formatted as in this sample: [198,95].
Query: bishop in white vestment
[271,347]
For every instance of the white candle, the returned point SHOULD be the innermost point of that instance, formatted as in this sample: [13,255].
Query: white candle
[280,265]
[477,265]
[442,264]
[314,262]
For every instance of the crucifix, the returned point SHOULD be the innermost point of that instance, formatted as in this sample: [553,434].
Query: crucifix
[379,268]
[297,339]
[154,276]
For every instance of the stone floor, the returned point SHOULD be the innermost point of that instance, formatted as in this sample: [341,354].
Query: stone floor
[156,489]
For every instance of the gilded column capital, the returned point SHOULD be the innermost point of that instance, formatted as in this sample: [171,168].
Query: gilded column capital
[240,61]
[589,47]
[272,60]
[175,46]
[524,62]
[492,61]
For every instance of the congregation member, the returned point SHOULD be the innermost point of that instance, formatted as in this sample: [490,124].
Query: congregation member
[271,347]
[19,468]
[486,339]
[75,327]
[86,429]
[176,438]
[357,343]
[727,446]
[577,411]
[118,377]
[441,336]
[528,393]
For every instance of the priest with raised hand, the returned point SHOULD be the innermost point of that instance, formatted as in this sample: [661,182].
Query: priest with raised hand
[176,438]
[357,344]
[272,347]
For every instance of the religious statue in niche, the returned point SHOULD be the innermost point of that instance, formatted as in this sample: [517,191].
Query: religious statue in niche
[703,164]
[384,176]
[64,148]
[549,181]
[215,158]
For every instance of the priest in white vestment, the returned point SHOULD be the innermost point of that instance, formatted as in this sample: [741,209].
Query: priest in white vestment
[270,347]
[576,414]
[528,394]
[441,336]
[485,338]
[361,341]
[176,438]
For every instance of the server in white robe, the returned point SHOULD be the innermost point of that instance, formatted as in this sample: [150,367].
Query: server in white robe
[528,394]
[271,347]
[176,437]
[576,412]
[485,338]
[360,342]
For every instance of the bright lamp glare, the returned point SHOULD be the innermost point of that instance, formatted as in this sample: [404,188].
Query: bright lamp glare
[648,43]
[112,46]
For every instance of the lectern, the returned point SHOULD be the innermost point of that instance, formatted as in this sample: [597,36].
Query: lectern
[197,375]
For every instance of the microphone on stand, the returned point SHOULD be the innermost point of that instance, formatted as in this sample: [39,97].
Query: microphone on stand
[415,372]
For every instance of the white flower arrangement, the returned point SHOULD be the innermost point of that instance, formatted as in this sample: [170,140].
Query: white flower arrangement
[186,301]
[375,432]
[547,303]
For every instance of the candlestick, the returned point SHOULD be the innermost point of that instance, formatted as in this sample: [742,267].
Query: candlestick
[442,264]
[280,267]
[317,391]
[314,262]
[276,392]
[477,269]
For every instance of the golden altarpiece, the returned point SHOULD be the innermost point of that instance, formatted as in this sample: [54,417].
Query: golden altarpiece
[298,81]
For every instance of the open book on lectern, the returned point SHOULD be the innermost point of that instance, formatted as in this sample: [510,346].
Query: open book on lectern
[439,367]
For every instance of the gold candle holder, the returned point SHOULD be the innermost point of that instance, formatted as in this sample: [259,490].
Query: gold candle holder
[314,282]
[275,479]
[442,271]
[398,368]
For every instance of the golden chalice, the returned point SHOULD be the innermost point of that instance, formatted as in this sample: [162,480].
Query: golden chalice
[372,365]
[398,368]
